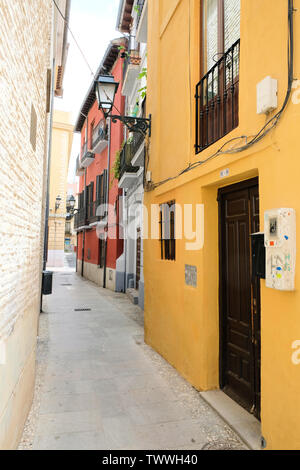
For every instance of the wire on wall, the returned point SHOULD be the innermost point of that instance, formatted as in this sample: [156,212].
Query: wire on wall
[269,125]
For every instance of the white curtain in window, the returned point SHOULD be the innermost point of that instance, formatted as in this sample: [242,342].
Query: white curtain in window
[232,10]
[211,32]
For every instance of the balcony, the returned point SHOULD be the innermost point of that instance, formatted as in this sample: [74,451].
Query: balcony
[100,137]
[217,99]
[96,211]
[87,157]
[142,21]
[128,173]
[79,219]
[131,72]
[79,168]
[137,149]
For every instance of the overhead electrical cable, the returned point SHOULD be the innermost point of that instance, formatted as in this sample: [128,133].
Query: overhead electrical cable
[74,38]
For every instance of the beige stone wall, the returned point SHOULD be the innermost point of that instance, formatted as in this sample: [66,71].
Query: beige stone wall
[25,33]
[95,274]
[62,137]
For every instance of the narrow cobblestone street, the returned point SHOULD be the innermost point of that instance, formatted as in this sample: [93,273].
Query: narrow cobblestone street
[100,387]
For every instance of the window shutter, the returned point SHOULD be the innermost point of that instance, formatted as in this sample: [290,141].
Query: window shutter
[91,192]
[98,188]
[86,197]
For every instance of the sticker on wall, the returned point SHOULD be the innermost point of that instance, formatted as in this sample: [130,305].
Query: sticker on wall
[191,275]
[280,242]
[224,173]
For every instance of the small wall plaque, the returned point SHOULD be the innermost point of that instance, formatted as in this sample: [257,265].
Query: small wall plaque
[191,275]
[224,173]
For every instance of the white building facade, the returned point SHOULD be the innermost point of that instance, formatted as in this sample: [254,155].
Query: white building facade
[132,160]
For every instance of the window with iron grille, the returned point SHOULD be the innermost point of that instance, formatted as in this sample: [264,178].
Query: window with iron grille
[167,230]
[217,93]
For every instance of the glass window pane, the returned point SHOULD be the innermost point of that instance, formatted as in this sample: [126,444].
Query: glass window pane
[211,16]
[232,22]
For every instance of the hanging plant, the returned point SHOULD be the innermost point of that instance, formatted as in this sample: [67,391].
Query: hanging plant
[116,168]
[137,8]
[123,51]
[143,90]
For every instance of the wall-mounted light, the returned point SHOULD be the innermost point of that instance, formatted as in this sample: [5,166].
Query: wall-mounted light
[70,203]
[106,88]
[57,203]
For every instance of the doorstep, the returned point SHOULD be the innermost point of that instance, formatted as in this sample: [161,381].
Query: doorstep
[243,423]
[133,295]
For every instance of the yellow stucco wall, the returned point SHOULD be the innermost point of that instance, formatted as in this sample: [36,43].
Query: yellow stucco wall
[62,138]
[181,322]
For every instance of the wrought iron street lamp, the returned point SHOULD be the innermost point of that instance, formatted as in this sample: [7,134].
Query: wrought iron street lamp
[106,88]
[57,203]
[70,203]
[70,206]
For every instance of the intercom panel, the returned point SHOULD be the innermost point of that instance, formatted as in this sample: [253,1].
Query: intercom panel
[280,243]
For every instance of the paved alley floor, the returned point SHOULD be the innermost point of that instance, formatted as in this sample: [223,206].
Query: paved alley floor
[99,386]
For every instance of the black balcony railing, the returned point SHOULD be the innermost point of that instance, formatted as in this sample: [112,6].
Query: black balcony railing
[135,143]
[99,133]
[79,169]
[126,156]
[139,6]
[79,219]
[217,99]
[83,149]
[96,211]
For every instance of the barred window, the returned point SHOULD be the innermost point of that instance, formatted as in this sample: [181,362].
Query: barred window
[167,230]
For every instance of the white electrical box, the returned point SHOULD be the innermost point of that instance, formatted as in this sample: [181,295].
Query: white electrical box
[280,243]
[267,95]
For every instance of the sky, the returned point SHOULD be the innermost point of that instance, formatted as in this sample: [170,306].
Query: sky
[93,23]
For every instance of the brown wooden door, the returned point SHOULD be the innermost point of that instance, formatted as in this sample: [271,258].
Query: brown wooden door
[138,258]
[239,295]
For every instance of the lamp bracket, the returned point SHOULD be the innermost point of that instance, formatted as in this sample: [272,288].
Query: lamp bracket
[134,124]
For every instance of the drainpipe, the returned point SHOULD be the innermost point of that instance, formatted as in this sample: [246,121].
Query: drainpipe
[107,200]
[83,233]
[76,250]
[125,208]
[46,229]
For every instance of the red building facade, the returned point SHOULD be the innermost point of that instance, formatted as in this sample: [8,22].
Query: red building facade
[99,244]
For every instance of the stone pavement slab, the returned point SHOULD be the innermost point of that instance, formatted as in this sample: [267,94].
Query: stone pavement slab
[100,387]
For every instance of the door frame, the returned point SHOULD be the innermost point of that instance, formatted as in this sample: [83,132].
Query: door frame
[245,184]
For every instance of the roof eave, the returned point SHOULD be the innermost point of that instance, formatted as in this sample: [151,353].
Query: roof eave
[106,65]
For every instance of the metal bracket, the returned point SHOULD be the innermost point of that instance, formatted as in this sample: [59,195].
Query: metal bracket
[134,124]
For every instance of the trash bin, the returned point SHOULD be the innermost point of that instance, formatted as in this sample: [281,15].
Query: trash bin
[47,282]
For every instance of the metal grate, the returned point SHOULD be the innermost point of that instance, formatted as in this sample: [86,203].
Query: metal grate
[217,99]
[167,230]
[82,309]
